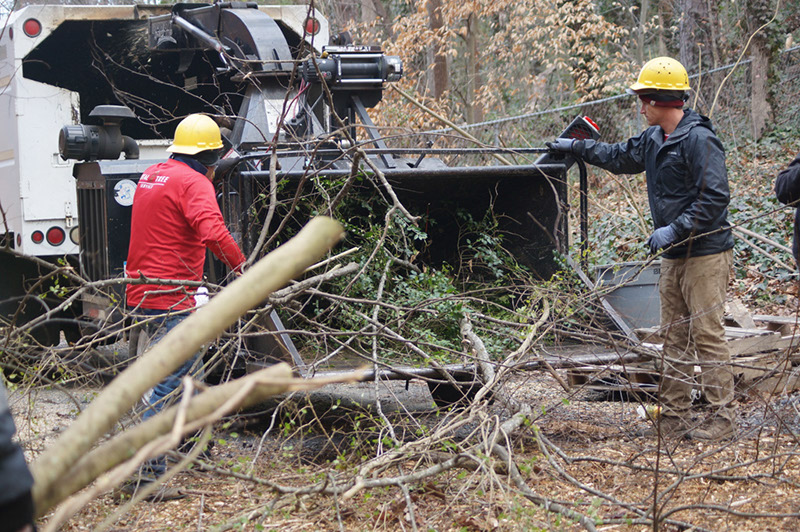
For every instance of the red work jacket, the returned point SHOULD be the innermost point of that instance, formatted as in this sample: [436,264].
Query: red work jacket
[175,218]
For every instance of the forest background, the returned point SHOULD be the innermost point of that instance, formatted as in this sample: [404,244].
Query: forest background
[518,72]
[515,74]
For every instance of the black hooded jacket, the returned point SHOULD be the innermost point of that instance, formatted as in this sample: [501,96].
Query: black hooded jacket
[687,182]
[787,190]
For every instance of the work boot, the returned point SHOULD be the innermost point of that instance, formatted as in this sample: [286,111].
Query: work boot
[144,479]
[163,493]
[669,427]
[717,430]
[148,473]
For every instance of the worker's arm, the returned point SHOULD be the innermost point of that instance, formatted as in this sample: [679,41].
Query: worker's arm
[706,160]
[201,209]
[621,158]
[787,185]
[228,251]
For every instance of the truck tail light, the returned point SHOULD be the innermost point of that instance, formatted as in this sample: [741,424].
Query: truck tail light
[312,26]
[32,27]
[74,235]
[55,236]
[37,237]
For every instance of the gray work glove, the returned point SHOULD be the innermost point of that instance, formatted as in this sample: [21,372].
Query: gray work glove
[661,238]
[562,145]
[226,165]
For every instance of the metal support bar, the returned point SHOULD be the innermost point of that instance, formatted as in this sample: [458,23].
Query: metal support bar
[549,170]
[412,151]
[199,33]
[372,131]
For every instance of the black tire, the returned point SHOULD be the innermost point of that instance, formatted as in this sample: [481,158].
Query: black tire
[138,342]
[73,334]
[46,335]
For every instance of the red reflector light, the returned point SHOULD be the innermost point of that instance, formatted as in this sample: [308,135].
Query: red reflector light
[37,237]
[55,236]
[312,26]
[32,27]
[592,123]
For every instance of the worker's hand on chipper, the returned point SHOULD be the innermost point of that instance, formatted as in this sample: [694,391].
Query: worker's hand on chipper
[661,238]
[564,145]
[226,165]
[561,145]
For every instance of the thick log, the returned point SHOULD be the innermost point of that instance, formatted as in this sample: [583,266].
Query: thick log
[258,282]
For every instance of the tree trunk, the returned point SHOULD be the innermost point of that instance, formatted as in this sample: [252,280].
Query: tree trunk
[662,22]
[640,41]
[474,110]
[373,13]
[696,42]
[342,15]
[760,108]
[761,56]
[440,79]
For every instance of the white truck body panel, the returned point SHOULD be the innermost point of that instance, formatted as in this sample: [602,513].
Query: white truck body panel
[37,189]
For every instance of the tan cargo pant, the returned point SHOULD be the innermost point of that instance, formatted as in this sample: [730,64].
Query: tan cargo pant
[692,295]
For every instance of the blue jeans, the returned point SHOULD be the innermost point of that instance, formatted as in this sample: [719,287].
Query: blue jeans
[158,327]
[159,323]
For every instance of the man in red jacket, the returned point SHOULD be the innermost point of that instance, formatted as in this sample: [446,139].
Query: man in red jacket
[175,218]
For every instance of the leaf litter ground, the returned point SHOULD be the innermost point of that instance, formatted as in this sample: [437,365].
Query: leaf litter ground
[605,471]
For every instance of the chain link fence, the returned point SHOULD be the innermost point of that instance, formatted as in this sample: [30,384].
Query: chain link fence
[618,116]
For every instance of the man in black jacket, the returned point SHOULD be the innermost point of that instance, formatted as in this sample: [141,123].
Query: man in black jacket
[787,190]
[16,504]
[687,188]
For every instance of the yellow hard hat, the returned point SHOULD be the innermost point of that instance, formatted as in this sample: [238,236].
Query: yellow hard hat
[196,133]
[662,74]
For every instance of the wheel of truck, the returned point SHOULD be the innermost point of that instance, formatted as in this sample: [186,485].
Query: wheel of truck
[446,395]
[138,342]
[46,335]
[73,334]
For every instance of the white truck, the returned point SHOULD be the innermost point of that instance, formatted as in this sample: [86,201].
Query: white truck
[59,62]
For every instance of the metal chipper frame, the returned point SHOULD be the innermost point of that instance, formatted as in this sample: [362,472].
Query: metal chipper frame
[516,193]
[268,74]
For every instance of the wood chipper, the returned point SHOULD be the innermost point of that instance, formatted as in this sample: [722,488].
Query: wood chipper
[93,94]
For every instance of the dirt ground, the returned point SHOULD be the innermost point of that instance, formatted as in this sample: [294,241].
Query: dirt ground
[604,469]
